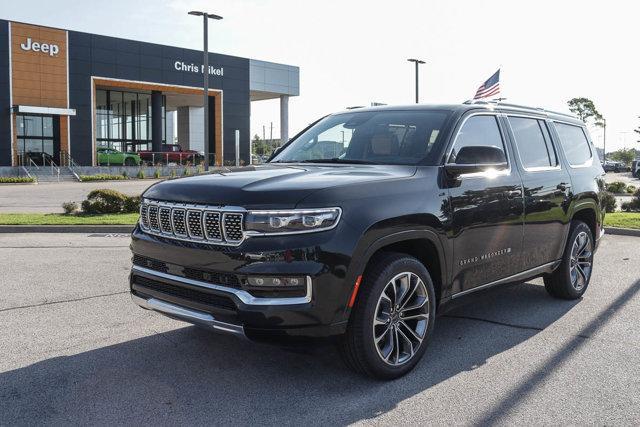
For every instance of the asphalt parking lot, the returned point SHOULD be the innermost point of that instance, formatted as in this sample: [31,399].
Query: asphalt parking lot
[75,350]
[49,197]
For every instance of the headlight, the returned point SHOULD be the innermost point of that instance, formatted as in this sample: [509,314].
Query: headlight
[291,221]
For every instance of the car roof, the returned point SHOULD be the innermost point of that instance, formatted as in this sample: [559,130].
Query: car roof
[474,105]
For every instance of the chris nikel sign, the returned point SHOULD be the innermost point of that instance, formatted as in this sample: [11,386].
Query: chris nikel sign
[48,48]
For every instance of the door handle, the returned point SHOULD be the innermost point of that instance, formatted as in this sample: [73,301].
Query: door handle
[563,186]
[513,194]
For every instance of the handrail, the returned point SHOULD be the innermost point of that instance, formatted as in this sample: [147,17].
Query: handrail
[26,171]
[65,157]
[33,163]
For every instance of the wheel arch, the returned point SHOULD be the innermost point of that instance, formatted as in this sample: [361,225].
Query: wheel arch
[423,244]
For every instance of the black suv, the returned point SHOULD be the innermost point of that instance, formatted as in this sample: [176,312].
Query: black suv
[363,225]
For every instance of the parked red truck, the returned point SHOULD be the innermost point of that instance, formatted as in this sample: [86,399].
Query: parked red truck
[171,153]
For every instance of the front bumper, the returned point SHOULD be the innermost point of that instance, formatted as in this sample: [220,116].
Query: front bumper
[316,309]
[188,315]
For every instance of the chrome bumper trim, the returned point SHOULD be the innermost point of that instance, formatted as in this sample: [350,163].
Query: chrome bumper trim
[188,315]
[244,296]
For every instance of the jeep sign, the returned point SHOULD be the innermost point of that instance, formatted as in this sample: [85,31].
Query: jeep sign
[51,49]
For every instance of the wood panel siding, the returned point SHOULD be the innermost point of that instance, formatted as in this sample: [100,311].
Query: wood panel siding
[38,78]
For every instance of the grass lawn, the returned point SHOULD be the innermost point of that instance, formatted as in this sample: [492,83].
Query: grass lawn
[617,219]
[622,220]
[62,219]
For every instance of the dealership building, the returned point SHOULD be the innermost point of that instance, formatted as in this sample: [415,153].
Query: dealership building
[65,93]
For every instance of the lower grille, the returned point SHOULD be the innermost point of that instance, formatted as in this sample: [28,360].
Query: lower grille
[152,264]
[184,293]
[214,277]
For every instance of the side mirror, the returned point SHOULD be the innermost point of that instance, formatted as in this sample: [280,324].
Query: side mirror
[473,159]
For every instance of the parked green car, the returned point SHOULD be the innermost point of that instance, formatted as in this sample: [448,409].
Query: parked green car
[109,156]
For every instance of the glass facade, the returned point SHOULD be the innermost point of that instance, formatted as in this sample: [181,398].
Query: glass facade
[36,137]
[123,120]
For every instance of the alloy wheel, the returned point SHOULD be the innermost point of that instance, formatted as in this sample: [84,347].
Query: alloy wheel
[401,318]
[581,261]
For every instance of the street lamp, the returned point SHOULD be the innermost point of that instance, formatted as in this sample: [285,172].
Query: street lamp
[417,62]
[205,72]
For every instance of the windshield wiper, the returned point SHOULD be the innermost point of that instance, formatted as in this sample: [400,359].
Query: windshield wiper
[338,160]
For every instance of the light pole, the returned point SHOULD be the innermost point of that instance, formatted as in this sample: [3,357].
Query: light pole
[604,139]
[417,62]
[205,72]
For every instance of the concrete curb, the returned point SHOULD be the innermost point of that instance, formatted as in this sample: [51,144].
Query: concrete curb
[622,231]
[66,228]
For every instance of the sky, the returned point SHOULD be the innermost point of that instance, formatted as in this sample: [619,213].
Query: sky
[353,52]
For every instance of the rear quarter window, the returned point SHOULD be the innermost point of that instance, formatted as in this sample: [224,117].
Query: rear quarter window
[574,143]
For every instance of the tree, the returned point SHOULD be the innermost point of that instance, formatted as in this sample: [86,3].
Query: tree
[624,155]
[585,110]
[259,146]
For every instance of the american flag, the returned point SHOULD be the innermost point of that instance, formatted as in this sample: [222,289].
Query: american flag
[489,88]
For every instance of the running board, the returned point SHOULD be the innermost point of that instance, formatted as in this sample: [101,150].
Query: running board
[545,268]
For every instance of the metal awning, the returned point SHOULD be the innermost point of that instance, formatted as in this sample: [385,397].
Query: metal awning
[28,109]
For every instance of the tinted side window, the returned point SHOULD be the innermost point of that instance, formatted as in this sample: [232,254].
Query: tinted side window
[575,143]
[478,131]
[533,146]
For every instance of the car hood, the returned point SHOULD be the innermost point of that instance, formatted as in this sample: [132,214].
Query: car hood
[268,186]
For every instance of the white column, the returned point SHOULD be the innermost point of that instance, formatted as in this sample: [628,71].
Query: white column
[284,118]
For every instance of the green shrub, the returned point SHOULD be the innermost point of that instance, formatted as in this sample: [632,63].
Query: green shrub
[140,174]
[186,171]
[634,204]
[609,202]
[15,179]
[616,187]
[131,204]
[104,201]
[156,173]
[70,207]
[125,174]
[631,189]
[173,173]
[102,177]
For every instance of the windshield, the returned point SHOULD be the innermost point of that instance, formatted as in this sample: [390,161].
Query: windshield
[373,137]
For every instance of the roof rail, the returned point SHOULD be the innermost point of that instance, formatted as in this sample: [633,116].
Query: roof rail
[518,106]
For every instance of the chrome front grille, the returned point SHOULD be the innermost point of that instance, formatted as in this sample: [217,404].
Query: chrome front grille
[232,226]
[165,220]
[153,218]
[212,225]
[196,223]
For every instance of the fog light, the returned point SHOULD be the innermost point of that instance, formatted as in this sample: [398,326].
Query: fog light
[266,281]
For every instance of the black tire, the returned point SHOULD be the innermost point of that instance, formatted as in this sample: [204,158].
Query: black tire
[564,282]
[358,346]
[128,161]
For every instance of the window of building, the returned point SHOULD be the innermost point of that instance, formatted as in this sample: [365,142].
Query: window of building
[123,120]
[481,130]
[534,147]
[35,138]
[574,143]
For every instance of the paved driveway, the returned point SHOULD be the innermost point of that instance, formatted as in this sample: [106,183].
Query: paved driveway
[48,197]
[75,350]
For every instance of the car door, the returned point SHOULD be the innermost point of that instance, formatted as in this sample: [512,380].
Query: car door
[117,157]
[547,190]
[486,210]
